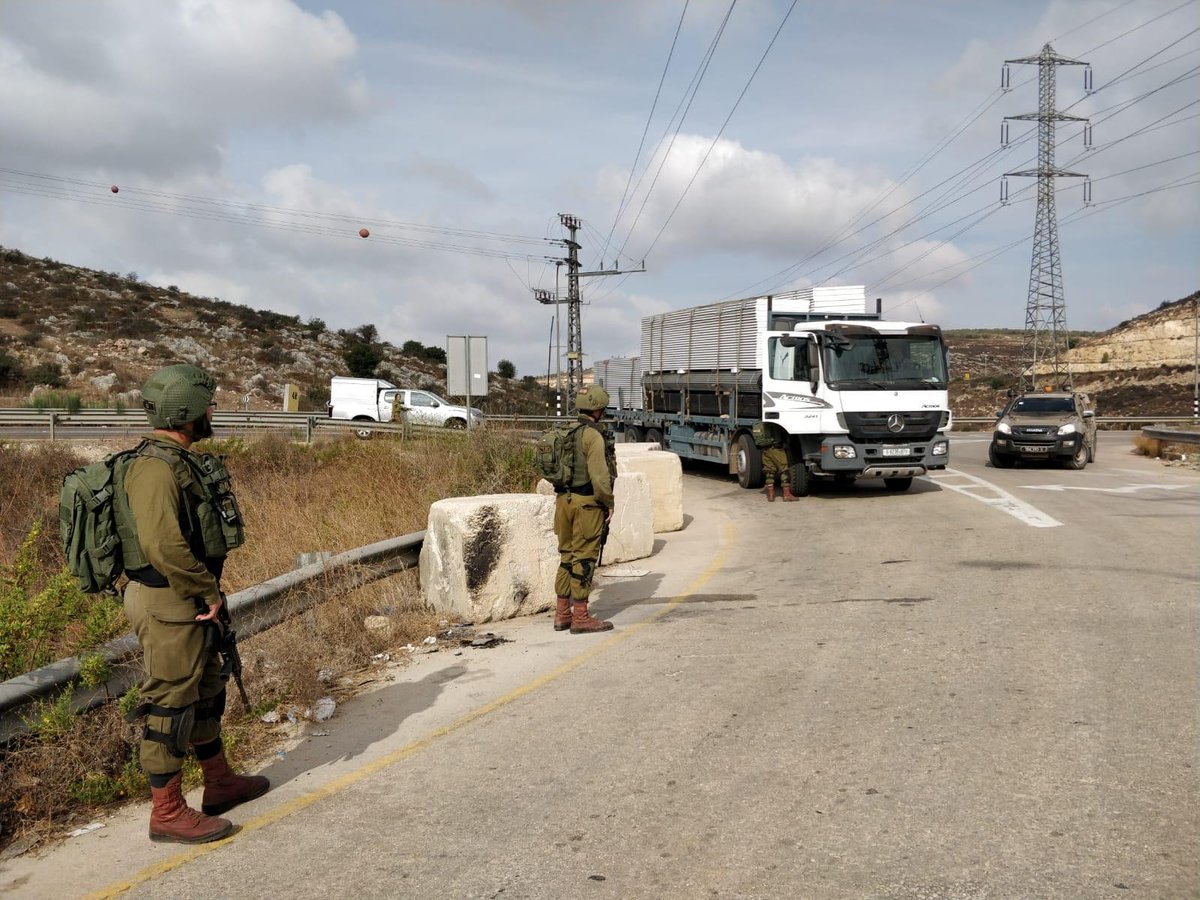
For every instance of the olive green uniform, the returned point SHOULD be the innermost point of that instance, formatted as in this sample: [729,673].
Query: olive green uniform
[769,439]
[580,511]
[182,667]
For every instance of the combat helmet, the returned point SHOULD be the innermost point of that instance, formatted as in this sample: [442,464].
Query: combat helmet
[595,397]
[176,395]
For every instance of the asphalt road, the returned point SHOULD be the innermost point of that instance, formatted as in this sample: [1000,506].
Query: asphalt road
[986,687]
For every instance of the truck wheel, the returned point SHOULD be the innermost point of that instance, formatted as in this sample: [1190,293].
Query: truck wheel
[1080,459]
[456,423]
[654,436]
[633,435]
[364,433]
[749,463]
[801,482]
[999,460]
[898,484]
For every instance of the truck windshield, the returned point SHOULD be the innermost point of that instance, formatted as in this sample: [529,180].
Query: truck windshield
[885,361]
[1043,405]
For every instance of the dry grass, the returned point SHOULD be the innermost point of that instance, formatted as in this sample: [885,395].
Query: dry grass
[332,496]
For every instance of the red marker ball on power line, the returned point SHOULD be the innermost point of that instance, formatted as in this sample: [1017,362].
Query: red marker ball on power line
[114,189]
[362,233]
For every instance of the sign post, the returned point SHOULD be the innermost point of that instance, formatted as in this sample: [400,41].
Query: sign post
[466,368]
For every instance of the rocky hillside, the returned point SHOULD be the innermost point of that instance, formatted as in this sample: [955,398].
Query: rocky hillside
[99,334]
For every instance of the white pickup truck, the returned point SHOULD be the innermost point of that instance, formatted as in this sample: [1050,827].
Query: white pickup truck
[370,400]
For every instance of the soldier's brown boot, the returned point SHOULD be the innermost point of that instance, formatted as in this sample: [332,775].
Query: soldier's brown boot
[770,493]
[788,496]
[582,623]
[173,821]
[224,788]
[562,613]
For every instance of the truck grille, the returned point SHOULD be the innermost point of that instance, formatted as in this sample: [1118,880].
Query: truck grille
[873,426]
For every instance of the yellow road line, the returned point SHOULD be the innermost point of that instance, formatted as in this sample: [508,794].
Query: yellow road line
[344,781]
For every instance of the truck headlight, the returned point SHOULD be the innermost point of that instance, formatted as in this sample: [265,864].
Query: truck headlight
[1003,428]
[941,448]
[844,451]
[1069,428]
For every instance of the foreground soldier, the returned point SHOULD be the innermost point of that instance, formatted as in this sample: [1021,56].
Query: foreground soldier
[181,520]
[768,437]
[581,512]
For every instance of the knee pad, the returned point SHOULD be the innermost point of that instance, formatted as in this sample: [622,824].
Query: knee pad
[178,736]
[212,708]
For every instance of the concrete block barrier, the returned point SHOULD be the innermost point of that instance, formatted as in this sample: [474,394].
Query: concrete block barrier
[664,474]
[631,532]
[490,557]
[638,447]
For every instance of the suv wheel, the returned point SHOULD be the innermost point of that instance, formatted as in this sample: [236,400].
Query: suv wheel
[1092,451]
[999,460]
[1080,459]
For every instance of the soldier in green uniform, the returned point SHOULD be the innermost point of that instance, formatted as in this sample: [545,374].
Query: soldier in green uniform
[581,512]
[400,411]
[770,439]
[176,528]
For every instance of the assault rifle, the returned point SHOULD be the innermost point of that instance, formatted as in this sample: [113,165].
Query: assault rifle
[223,639]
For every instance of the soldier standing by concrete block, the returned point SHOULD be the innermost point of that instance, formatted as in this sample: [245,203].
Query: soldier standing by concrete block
[582,511]
[771,440]
[178,521]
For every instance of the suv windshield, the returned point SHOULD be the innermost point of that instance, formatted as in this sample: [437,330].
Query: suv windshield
[886,361]
[1037,405]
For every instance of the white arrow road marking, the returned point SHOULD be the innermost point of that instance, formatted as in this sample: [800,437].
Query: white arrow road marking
[1127,489]
[997,498]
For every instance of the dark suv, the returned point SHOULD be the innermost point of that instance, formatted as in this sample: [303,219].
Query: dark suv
[1058,426]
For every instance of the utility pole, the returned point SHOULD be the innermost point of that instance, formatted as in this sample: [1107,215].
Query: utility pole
[574,304]
[1046,337]
[1196,352]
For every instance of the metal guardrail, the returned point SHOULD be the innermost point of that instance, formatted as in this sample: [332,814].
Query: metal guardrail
[255,609]
[1173,435]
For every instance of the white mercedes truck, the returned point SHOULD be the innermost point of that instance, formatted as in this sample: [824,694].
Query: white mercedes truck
[858,396]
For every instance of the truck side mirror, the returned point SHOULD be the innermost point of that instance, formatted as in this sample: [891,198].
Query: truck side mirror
[814,358]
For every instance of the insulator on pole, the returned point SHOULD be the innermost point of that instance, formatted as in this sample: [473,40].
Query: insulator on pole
[1003,191]
[1004,132]
[1005,78]
[1087,79]
[1087,192]
[1087,136]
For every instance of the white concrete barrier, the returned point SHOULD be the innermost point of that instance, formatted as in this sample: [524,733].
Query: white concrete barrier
[490,557]
[631,531]
[664,473]
[638,447]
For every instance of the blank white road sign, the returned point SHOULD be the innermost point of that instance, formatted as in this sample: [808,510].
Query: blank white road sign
[466,365]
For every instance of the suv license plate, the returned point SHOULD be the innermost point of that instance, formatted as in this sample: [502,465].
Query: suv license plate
[1033,448]
[895,451]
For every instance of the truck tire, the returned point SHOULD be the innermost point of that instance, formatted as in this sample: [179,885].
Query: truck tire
[898,484]
[654,436]
[749,463]
[364,433]
[633,435]
[801,480]
[1080,457]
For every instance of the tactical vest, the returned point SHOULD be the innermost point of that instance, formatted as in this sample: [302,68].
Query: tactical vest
[581,477]
[209,518]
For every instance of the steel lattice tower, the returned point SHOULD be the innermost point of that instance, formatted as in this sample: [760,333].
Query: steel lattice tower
[574,323]
[1046,337]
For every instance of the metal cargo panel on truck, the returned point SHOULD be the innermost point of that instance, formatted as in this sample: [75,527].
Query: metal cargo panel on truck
[622,378]
[724,335]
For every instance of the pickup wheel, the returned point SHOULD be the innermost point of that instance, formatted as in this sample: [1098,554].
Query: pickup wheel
[1080,459]
[898,484]
[364,433]
[456,423]
[1092,451]
[749,463]
[999,460]
[654,436]
[633,435]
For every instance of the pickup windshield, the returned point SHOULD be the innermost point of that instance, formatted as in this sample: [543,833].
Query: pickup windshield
[885,362]
[1037,405]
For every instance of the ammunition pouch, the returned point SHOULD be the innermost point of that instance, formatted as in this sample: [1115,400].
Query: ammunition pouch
[177,738]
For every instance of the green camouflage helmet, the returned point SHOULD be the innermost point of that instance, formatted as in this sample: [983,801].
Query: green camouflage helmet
[595,397]
[177,395]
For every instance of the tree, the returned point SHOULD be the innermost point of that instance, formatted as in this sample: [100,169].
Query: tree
[506,369]
[412,348]
[369,333]
[435,354]
[362,359]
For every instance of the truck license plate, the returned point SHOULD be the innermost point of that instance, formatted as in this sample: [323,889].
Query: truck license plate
[895,451]
[1034,448]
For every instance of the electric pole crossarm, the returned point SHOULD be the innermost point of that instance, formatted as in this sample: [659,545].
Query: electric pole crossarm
[1034,173]
[1048,54]
[1044,117]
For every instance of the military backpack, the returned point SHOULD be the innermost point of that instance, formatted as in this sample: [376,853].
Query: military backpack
[554,454]
[99,536]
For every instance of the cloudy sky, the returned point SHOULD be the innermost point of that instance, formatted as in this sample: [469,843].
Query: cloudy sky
[251,139]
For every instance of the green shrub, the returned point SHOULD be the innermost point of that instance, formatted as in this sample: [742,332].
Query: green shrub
[52,719]
[49,374]
[94,670]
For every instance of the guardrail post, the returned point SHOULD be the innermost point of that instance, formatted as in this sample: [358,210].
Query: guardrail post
[309,424]
[53,419]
